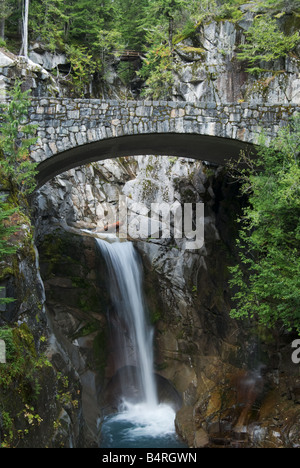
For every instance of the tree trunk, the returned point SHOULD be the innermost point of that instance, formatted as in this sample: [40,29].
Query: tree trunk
[24,48]
[2,28]
[171,30]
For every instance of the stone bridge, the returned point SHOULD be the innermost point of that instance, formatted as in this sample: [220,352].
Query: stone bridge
[73,132]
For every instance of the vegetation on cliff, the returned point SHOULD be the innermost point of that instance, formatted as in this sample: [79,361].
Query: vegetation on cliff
[267,281]
[265,43]
[15,139]
[92,34]
[22,377]
[17,171]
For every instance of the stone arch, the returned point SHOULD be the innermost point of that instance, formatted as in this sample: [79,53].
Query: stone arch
[73,132]
[213,149]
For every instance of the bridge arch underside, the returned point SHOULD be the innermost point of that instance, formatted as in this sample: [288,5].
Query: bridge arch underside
[216,150]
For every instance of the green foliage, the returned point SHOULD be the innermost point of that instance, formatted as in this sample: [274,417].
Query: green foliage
[267,283]
[157,73]
[16,168]
[108,43]
[165,12]
[20,381]
[128,15]
[64,395]
[48,21]
[273,6]
[85,18]
[91,33]
[6,231]
[16,136]
[5,9]
[6,334]
[164,24]
[5,12]
[83,67]
[265,43]
[230,10]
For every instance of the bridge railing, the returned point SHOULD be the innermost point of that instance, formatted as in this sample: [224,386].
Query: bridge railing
[128,54]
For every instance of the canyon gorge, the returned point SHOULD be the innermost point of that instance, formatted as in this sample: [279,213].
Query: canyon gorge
[231,383]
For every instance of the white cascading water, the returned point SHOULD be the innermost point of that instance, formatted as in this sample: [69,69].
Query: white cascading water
[125,280]
[142,421]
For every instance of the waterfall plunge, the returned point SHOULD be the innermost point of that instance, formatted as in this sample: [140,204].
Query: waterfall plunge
[133,333]
[142,422]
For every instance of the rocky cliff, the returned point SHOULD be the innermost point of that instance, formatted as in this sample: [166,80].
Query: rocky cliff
[215,75]
[217,365]
[229,375]
[205,68]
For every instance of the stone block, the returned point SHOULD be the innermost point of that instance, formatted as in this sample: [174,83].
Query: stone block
[74,114]
[53,147]
[5,61]
[67,123]
[85,112]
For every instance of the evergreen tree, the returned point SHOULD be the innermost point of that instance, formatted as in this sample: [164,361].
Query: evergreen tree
[159,23]
[166,11]
[15,140]
[266,43]
[267,282]
[6,9]
[86,18]
[127,18]
[49,22]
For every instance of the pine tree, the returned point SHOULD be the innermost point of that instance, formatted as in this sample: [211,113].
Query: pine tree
[164,12]
[6,9]
[86,18]
[267,281]
[265,43]
[15,140]
[128,16]
[50,23]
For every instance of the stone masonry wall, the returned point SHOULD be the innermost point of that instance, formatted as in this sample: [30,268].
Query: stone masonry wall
[66,123]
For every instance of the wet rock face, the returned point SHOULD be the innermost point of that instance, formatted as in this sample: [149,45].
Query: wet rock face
[76,311]
[215,75]
[186,291]
[206,356]
[34,76]
[116,390]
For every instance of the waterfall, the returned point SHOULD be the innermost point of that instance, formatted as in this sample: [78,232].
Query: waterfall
[142,421]
[132,333]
